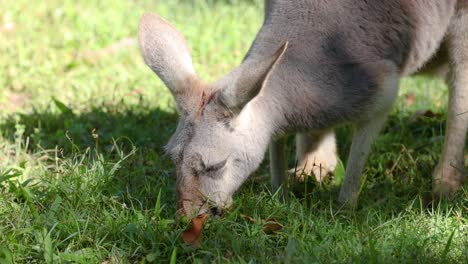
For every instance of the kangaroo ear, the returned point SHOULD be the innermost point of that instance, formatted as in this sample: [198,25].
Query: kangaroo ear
[166,52]
[246,81]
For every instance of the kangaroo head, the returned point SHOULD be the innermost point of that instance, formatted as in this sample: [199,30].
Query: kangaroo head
[211,149]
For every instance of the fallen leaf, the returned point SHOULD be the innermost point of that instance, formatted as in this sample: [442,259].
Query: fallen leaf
[416,116]
[192,236]
[410,99]
[271,226]
[248,218]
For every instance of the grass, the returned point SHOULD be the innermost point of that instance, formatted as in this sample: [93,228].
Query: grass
[83,178]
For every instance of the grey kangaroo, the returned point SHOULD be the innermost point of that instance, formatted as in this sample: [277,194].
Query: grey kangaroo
[314,65]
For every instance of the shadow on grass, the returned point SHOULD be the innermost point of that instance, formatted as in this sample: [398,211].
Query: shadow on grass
[102,136]
[399,168]
[144,128]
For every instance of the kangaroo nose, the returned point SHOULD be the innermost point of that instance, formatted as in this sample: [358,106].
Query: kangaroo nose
[216,211]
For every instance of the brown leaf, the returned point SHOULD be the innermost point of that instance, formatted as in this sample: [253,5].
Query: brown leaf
[416,116]
[248,218]
[192,236]
[271,226]
[410,98]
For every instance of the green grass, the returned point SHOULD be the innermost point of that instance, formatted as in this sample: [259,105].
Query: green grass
[83,178]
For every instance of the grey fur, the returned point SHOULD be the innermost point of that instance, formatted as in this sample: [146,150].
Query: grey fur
[342,65]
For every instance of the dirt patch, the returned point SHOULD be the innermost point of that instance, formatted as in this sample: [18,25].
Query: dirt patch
[13,101]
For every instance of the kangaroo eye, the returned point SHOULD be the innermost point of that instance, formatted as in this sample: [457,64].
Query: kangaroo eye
[216,167]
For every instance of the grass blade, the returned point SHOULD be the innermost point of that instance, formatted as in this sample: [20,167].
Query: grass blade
[174,256]
[10,173]
[157,206]
[447,245]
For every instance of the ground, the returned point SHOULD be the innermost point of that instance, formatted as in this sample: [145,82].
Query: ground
[83,177]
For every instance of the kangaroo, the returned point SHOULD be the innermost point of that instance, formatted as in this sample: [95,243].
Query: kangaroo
[314,65]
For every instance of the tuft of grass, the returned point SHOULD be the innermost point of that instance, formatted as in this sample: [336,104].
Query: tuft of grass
[83,178]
